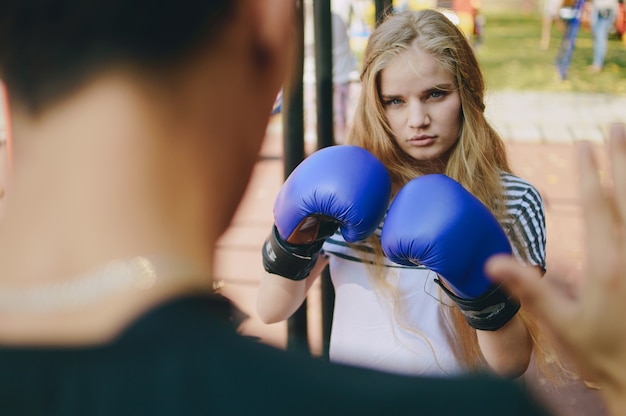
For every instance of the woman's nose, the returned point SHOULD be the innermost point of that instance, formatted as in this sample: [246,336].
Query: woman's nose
[418,116]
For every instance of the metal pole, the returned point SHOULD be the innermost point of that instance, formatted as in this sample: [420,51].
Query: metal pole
[325,132]
[293,150]
[323,72]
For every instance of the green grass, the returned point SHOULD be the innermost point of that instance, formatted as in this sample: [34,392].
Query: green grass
[512,60]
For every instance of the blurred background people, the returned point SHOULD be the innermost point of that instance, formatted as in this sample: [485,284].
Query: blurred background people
[602,19]
[344,72]
[550,18]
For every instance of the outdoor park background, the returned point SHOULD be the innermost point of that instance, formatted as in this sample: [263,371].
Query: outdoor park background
[540,116]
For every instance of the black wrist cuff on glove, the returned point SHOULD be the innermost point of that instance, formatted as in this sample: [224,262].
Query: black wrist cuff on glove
[291,261]
[489,312]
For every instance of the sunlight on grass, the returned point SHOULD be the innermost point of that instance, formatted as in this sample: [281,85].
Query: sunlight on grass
[512,60]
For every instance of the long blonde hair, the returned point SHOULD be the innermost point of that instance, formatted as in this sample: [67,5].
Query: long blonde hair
[476,160]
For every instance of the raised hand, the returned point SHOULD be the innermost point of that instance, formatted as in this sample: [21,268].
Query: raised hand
[591,322]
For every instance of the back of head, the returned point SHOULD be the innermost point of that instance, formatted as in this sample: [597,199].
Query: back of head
[128,105]
[49,48]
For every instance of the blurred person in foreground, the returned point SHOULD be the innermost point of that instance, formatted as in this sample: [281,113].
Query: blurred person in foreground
[588,320]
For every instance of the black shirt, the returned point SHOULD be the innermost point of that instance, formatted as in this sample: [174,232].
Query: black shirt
[185,358]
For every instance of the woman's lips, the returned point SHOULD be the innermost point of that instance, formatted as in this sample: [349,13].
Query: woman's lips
[420,141]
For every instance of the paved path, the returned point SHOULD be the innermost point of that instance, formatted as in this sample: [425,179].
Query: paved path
[553,118]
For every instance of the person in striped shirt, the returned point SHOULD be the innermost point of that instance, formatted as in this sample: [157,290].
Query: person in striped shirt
[421,112]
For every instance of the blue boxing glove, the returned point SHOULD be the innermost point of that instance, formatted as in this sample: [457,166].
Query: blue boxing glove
[342,187]
[435,222]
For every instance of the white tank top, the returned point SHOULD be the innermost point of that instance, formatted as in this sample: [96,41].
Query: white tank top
[366,331]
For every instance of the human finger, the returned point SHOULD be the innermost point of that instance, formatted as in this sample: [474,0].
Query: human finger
[598,211]
[548,302]
[617,154]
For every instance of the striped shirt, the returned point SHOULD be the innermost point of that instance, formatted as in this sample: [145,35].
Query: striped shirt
[412,336]
[526,219]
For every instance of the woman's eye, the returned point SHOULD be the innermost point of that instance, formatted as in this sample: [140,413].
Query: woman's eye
[393,101]
[437,94]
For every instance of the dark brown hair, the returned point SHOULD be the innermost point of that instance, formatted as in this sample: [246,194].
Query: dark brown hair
[49,48]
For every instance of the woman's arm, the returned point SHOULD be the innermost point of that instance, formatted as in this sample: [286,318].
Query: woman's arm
[508,349]
[278,298]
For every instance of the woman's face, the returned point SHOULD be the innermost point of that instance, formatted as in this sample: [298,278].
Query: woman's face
[422,105]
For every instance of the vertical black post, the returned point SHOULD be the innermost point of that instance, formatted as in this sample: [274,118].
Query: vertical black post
[293,151]
[382,7]
[323,72]
[325,132]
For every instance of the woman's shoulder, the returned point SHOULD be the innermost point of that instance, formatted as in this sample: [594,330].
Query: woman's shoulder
[520,194]
[515,185]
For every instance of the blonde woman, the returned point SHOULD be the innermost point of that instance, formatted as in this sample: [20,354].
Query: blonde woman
[421,112]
